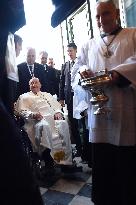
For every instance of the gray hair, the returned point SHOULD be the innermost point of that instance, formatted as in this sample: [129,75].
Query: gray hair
[43,52]
[114,2]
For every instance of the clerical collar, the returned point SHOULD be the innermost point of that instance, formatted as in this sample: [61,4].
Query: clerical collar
[73,60]
[45,66]
[115,32]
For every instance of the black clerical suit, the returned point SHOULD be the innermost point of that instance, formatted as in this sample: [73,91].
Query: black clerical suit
[66,94]
[25,75]
[58,73]
[50,79]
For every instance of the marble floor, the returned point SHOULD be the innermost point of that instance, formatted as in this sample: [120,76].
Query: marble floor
[69,188]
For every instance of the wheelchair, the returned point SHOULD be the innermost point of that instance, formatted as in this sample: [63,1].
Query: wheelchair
[43,166]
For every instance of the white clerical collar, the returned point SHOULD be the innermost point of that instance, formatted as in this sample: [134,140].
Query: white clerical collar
[45,66]
[71,61]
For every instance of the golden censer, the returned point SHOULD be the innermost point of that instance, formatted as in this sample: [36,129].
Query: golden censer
[96,85]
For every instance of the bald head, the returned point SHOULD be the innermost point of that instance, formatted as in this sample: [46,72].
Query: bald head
[31,56]
[107,15]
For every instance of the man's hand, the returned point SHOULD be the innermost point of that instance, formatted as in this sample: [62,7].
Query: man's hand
[62,103]
[58,116]
[119,79]
[114,77]
[37,116]
[86,74]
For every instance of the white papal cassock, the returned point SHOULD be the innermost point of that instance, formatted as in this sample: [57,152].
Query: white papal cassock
[119,126]
[46,133]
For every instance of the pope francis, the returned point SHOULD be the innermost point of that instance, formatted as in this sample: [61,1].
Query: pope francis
[45,123]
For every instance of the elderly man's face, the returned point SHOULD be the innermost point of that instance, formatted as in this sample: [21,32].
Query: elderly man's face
[31,56]
[51,62]
[35,85]
[43,58]
[107,16]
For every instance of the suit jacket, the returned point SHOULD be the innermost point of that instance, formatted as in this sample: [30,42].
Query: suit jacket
[58,73]
[24,77]
[50,80]
[65,83]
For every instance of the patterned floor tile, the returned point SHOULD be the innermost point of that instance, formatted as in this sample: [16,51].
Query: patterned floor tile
[52,197]
[68,186]
[78,176]
[80,200]
[89,180]
[43,190]
[85,190]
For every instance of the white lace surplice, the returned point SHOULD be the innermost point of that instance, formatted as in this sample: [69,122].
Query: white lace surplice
[119,126]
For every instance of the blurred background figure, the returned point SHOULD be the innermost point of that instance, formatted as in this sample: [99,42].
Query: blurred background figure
[50,74]
[18,44]
[51,64]
[43,56]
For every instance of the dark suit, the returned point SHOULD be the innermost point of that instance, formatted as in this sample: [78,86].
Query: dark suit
[25,76]
[58,73]
[66,94]
[55,79]
[50,79]
[65,83]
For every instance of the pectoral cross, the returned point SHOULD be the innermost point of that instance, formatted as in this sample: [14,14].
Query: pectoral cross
[107,53]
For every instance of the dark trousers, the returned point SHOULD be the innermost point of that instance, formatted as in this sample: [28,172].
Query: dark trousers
[84,133]
[74,127]
[113,174]
[46,156]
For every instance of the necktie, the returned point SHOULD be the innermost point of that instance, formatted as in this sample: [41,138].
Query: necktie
[31,70]
[72,63]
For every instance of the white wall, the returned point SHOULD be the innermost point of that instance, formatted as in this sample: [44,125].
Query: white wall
[38,32]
